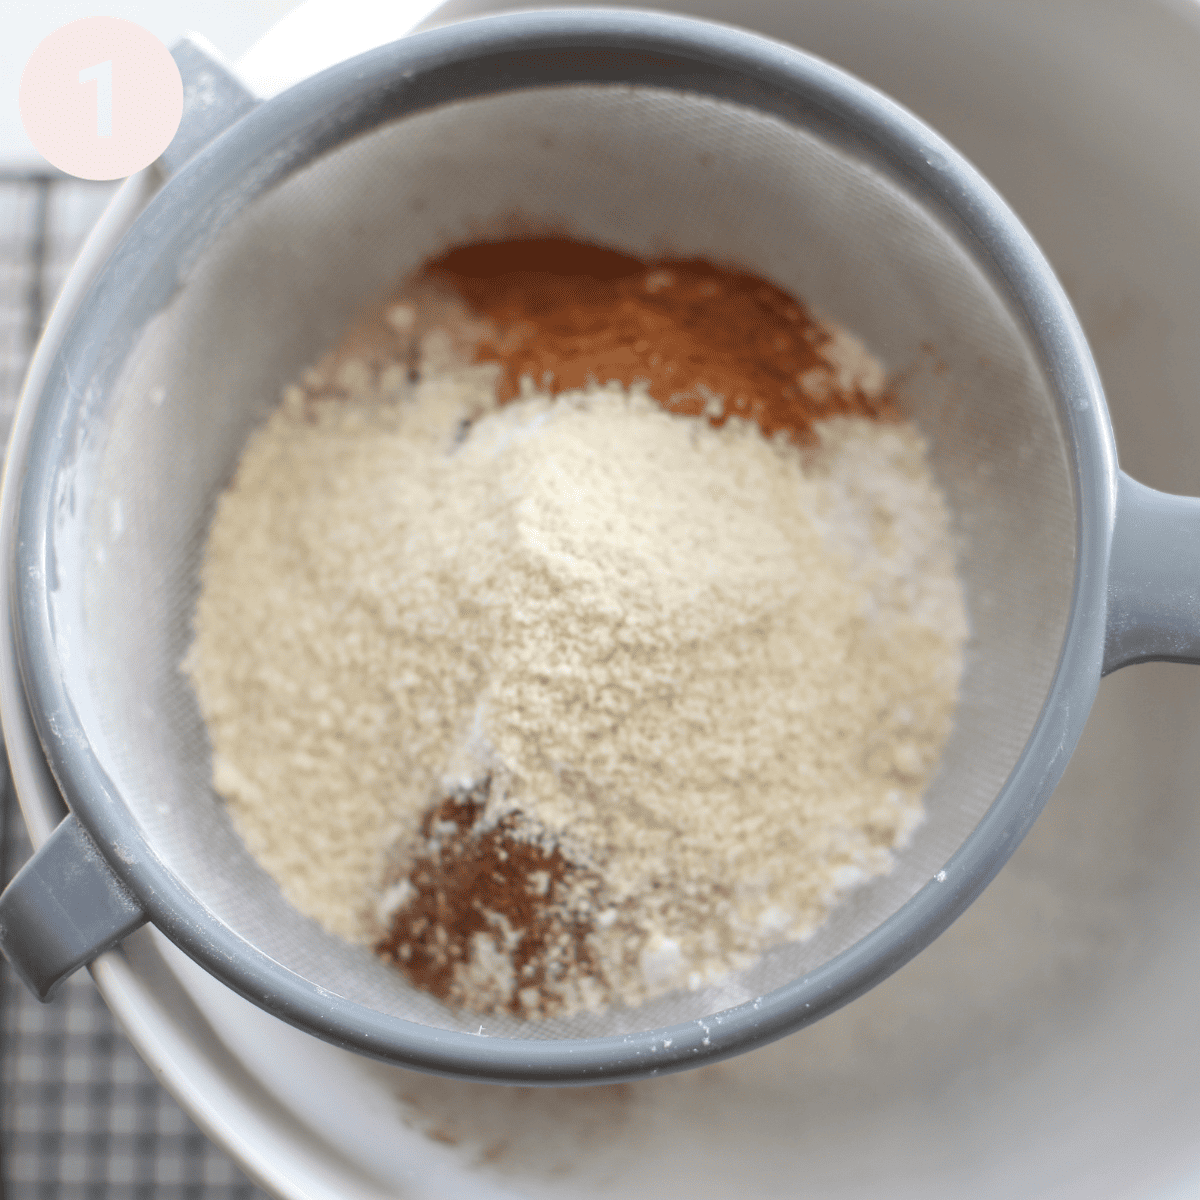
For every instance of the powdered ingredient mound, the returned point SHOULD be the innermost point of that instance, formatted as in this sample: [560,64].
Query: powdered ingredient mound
[709,674]
[704,340]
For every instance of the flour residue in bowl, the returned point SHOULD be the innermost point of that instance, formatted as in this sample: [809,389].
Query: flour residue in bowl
[562,690]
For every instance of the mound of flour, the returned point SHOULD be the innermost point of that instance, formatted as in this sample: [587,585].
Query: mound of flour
[712,670]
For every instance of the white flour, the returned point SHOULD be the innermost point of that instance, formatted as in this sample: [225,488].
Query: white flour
[715,675]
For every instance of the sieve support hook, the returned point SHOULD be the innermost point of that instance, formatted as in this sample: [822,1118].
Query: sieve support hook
[1153,578]
[213,99]
[63,909]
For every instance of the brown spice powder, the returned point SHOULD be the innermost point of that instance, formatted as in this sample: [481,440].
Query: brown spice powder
[569,314]
[471,883]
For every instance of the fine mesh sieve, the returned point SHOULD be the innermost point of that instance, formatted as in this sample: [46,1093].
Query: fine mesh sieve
[656,136]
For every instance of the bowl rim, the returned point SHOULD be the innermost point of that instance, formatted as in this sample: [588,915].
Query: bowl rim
[490,55]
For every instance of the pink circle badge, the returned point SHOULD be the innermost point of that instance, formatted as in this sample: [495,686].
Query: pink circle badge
[101,98]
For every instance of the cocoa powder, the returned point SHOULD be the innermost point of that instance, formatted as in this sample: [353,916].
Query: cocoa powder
[706,340]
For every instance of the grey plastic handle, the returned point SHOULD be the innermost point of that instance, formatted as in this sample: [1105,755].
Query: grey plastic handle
[63,909]
[1154,578]
[65,906]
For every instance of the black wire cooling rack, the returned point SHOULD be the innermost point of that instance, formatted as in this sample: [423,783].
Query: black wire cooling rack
[81,1116]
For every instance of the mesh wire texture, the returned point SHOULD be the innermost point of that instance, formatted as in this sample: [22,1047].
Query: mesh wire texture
[81,1116]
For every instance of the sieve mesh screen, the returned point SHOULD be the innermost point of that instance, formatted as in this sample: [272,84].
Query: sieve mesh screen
[649,171]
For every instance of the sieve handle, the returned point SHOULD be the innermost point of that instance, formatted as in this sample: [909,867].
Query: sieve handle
[64,908]
[213,99]
[1153,578]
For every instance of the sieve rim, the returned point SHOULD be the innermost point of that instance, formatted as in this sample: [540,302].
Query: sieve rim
[486,56]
